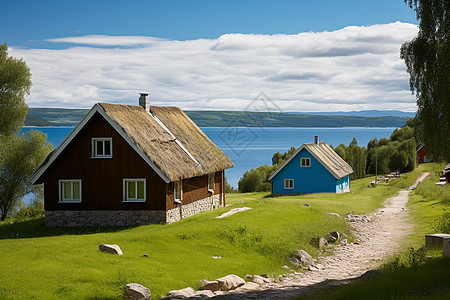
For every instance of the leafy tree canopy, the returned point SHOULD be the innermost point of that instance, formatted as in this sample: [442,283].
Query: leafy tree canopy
[427,59]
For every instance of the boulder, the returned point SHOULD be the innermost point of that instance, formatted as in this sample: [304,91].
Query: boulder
[230,282]
[322,243]
[264,275]
[135,291]
[259,279]
[210,285]
[306,204]
[295,261]
[433,240]
[113,249]
[204,294]
[247,287]
[332,237]
[304,258]
[183,293]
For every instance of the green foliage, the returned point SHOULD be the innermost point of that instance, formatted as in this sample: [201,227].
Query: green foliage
[255,180]
[227,187]
[442,224]
[427,59]
[15,84]
[20,156]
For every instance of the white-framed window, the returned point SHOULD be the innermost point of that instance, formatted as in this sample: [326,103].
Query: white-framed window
[305,162]
[289,184]
[211,182]
[134,190]
[69,190]
[178,191]
[102,147]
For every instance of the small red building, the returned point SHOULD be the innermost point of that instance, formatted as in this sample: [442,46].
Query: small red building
[422,156]
[126,165]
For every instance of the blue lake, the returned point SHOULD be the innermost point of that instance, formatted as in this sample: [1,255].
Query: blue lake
[251,147]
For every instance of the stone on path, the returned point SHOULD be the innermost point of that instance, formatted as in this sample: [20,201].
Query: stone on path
[113,249]
[247,287]
[230,282]
[135,291]
[204,294]
[183,293]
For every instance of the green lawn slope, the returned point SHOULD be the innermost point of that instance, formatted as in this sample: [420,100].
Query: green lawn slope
[45,263]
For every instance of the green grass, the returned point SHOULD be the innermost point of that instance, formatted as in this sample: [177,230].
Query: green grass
[39,262]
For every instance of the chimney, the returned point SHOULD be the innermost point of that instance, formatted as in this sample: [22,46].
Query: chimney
[144,101]
[316,139]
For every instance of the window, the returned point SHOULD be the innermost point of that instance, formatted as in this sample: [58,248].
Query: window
[288,184]
[70,190]
[305,162]
[211,182]
[134,190]
[102,147]
[178,191]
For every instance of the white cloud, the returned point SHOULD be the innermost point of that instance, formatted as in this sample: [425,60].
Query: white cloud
[107,40]
[354,68]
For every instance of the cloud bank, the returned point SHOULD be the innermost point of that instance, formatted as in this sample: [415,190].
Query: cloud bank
[355,68]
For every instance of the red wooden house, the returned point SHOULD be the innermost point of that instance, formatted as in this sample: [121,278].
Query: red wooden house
[422,156]
[126,165]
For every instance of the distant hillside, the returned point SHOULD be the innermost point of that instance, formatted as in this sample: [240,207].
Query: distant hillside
[71,117]
[33,120]
[364,113]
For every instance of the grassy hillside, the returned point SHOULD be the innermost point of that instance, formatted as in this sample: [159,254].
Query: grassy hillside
[71,117]
[65,263]
[33,120]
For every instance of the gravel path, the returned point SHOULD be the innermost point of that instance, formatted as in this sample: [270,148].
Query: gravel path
[375,240]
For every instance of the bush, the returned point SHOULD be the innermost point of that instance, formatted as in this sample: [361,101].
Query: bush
[442,224]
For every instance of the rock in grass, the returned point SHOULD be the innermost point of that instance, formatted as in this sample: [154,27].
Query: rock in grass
[259,279]
[305,259]
[209,285]
[230,282]
[333,214]
[183,293]
[332,237]
[135,291]
[113,249]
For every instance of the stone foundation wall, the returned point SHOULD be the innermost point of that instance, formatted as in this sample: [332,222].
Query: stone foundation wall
[188,210]
[103,218]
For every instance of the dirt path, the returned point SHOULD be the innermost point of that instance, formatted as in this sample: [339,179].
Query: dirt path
[375,241]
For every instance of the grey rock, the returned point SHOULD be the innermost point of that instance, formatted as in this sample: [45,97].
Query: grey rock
[446,247]
[264,275]
[247,287]
[230,282]
[260,280]
[209,285]
[183,293]
[135,291]
[144,255]
[306,204]
[322,243]
[305,259]
[332,237]
[113,249]
[204,294]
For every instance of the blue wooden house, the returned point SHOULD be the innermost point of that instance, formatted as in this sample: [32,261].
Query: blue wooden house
[313,168]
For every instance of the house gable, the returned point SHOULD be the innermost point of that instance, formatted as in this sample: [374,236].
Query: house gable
[313,179]
[96,109]
[102,179]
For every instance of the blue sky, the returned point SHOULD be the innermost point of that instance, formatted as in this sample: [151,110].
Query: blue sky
[213,54]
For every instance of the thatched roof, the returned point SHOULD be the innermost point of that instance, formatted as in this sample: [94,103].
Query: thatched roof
[326,156]
[170,139]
